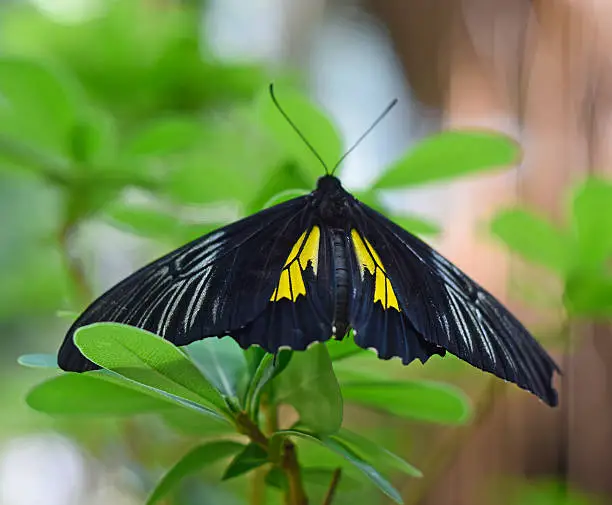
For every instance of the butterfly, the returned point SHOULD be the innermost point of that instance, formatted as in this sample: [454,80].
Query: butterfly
[311,268]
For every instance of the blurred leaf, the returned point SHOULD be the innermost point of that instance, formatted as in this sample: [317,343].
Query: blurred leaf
[349,455]
[38,105]
[450,154]
[283,196]
[424,401]
[417,225]
[38,360]
[535,239]
[592,208]
[286,175]
[342,349]
[546,493]
[310,386]
[165,136]
[253,456]
[222,362]
[375,453]
[92,395]
[194,461]
[312,123]
[588,293]
[93,139]
[146,359]
[153,223]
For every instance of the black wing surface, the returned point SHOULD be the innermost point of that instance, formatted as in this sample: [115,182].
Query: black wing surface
[209,287]
[435,302]
[300,311]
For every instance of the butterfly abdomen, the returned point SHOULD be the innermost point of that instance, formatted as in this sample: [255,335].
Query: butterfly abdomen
[342,287]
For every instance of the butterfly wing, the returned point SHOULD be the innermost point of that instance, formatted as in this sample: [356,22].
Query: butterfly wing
[209,287]
[300,311]
[408,283]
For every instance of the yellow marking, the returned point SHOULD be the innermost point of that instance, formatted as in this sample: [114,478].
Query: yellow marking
[291,281]
[369,260]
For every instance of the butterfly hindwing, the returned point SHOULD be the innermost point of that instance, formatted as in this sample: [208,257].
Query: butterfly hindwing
[217,283]
[374,310]
[301,308]
[443,307]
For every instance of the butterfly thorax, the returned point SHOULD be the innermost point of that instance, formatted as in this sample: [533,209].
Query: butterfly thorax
[332,202]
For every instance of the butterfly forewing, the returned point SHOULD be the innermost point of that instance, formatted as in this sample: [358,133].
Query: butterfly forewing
[442,306]
[217,283]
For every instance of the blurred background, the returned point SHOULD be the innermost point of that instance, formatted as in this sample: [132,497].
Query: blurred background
[127,128]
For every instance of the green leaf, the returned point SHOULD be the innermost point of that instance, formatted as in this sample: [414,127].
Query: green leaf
[192,423]
[286,175]
[93,139]
[38,360]
[535,239]
[253,456]
[92,395]
[222,362]
[195,460]
[37,104]
[153,223]
[592,208]
[283,196]
[588,293]
[351,456]
[314,476]
[450,154]
[421,400]
[417,225]
[262,375]
[166,136]
[147,359]
[375,453]
[342,349]
[310,386]
[313,124]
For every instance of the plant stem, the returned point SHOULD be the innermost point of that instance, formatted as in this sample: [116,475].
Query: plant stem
[331,492]
[74,266]
[291,466]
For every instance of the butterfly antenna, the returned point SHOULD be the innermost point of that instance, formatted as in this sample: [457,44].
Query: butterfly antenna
[366,133]
[295,128]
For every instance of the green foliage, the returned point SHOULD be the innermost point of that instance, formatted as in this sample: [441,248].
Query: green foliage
[579,256]
[450,154]
[194,461]
[310,386]
[420,400]
[149,132]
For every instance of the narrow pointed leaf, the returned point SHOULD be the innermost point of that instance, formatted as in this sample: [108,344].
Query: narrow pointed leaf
[147,359]
[195,460]
[375,453]
[342,349]
[352,457]
[253,456]
[420,400]
[451,154]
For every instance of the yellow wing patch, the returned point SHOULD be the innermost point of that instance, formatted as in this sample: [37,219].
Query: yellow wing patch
[291,282]
[369,260]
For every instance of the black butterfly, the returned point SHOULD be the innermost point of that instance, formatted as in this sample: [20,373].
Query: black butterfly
[309,269]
